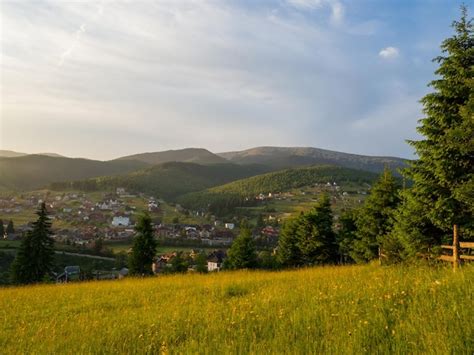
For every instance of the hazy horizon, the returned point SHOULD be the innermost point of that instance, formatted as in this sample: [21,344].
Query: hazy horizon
[107,79]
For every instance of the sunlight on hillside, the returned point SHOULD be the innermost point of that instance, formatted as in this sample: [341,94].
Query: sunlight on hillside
[350,309]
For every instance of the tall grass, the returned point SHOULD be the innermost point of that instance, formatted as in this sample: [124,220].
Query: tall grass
[339,310]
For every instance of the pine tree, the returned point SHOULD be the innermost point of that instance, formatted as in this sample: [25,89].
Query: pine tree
[441,195]
[289,254]
[375,218]
[242,254]
[144,248]
[346,235]
[2,229]
[34,259]
[316,238]
[10,227]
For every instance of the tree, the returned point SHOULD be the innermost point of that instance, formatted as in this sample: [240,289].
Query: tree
[375,218]
[346,235]
[34,259]
[201,263]
[98,245]
[242,254]
[442,176]
[179,264]
[10,227]
[289,254]
[2,229]
[316,238]
[144,247]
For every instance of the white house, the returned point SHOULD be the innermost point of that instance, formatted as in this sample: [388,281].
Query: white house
[121,221]
[229,225]
[213,266]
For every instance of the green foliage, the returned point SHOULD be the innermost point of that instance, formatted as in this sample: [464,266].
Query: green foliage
[316,238]
[441,195]
[201,263]
[309,239]
[289,253]
[375,219]
[179,264]
[346,235]
[35,256]
[10,227]
[144,247]
[169,180]
[223,199]
[242,254]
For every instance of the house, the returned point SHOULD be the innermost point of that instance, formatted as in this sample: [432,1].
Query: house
[121,221]
[229,226]
[152,206]
[121,191]
[215,260]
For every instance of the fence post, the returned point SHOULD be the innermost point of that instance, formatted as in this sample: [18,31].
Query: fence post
[455,247]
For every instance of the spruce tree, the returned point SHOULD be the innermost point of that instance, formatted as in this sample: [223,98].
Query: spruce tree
[375,219]
[10,227]
[316,238]
[242,254]
[442,176]
[346,235]
[2,229]
[144,248]
[34,259]
[289,254]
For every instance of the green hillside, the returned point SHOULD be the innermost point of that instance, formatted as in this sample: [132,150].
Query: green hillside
[188,155]
[243,192]
[325,310]
[286,157]
[169,180]
[36,171]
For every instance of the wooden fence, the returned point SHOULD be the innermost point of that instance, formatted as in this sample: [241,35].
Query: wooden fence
[458,250]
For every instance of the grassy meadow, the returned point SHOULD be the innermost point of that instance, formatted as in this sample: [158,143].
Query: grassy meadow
[340,310]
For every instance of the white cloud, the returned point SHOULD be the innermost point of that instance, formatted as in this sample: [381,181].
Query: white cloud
[389,53]
[337,12]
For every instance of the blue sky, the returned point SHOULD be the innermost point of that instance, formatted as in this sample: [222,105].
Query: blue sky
[109,78]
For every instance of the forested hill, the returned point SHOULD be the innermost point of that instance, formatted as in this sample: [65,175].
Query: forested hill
[240,192]
[37,171]
[170,180]
[188,155]
[286,157]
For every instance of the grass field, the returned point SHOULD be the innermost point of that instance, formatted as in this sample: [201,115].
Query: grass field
[340,310]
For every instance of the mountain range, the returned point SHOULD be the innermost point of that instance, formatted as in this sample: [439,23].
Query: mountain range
[199,168]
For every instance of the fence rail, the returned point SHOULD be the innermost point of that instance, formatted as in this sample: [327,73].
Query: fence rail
[457,249]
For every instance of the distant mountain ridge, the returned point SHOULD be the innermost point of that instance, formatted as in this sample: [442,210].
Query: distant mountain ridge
[12,154]
[287,157]
[37,171]
[20,171]
[187,155]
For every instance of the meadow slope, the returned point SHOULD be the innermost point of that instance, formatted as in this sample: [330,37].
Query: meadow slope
[343,310]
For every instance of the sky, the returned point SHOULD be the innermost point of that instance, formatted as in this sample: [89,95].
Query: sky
[103,79]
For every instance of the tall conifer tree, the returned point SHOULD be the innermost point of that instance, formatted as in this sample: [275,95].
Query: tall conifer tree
[34,260]
[144,247]
[316,237]
[242,254]
[375,219]
[441,195]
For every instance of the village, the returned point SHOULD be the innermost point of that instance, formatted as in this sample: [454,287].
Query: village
[102,225]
